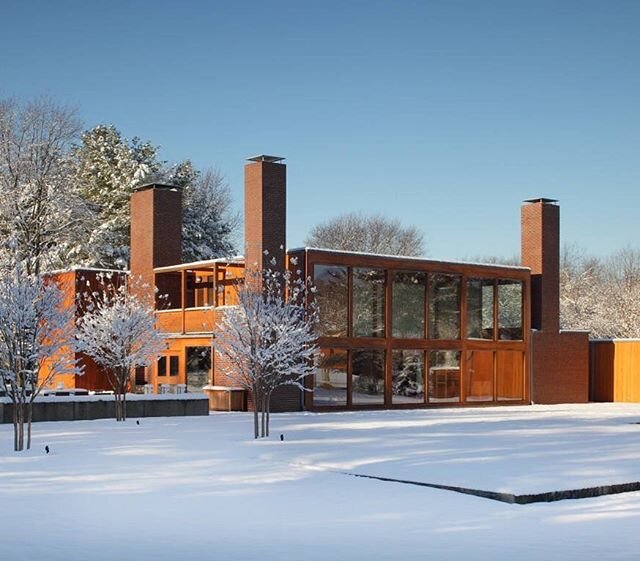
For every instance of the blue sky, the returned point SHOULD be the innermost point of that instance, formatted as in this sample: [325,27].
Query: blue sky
[445,114]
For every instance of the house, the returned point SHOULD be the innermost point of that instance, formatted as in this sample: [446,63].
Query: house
[396,332]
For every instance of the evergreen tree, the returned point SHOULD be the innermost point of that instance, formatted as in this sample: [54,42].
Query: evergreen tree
[109,167]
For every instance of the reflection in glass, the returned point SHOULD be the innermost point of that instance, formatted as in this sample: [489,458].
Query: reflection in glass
[330,379]
[510,310]
[444,307]
[408,304]
[444,376]
[479,375]
[407,383]
[367,371]
[198,368]
[174,365]
[480,309]
[368,302]
[332,296]
[509,376]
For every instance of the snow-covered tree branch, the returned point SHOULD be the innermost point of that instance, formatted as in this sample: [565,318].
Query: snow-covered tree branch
[267,340]
[36,341]
[117,330]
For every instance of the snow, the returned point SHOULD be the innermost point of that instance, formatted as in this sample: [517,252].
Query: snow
[408,258]
[203,488]
[110,397]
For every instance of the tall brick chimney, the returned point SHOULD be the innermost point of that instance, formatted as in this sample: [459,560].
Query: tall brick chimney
[541,253]
[559,360]
[265,210]
[156,229]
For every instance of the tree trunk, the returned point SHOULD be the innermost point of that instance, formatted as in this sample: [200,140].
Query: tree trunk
[118,405]
[268,412]
[263,415]
[29,420]
[124,404]
[20,447]
[254,396]
[15,426]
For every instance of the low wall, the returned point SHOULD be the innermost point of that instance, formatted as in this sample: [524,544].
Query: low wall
[103,407]
[615,370]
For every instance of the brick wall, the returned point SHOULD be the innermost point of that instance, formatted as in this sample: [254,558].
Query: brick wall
[156,229]
[560,367]
[559,360]
[265,210]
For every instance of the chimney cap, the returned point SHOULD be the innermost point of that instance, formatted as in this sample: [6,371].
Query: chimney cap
[154,185]
[265,158]
[541,200]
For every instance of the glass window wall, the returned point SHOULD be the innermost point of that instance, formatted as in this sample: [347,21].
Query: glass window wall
[408,303]
[330,379]
[367,375]
[407,377]
[368,302]
[332,297]
[444,306]
[510,310]
[444,376]
[480,308]
[198,368]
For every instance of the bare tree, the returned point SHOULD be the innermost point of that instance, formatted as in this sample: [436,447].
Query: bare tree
[37,206]
[36,341]
[118,331]
[371,234]
[601,295]
[267,340]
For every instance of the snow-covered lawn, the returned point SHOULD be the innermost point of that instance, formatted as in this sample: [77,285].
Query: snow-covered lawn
[201,488]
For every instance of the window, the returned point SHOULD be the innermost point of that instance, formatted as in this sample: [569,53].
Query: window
[174,365]
[332,297]
[367,374]
[510,310]
[330,379]
[444,376]
[479,375]
[480,309]
[444,306]
[368,302]
[408,302]
[407,377]
[198,368]
[162,366]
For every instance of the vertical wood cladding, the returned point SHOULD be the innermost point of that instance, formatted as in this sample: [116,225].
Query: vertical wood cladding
[614,370]
[265,210]
[156,229]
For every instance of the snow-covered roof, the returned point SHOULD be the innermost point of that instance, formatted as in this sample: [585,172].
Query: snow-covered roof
[76,268]
[409,258]
[612,340]
[236,260]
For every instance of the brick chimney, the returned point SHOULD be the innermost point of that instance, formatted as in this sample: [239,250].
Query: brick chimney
[156,229]
[265,210]
[541,253]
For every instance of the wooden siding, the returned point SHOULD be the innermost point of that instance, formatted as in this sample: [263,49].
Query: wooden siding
[615,370]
